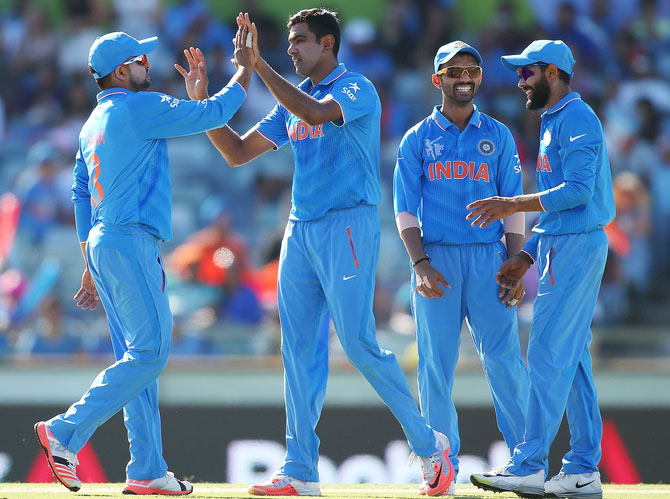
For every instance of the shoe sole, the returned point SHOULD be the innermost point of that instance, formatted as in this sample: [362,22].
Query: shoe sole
[145,491]
[576,495]
[493,488]
[43,441]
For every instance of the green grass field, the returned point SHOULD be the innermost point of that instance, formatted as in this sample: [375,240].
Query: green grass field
[224,490]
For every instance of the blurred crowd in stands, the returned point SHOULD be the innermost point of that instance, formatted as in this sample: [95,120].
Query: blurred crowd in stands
[228,224]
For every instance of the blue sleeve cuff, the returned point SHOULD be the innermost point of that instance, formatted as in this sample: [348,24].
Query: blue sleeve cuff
[531,246]
[82,218]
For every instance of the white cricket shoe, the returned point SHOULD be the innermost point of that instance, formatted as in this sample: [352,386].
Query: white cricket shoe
[62,462]
[282,485]
[583,485]
[438,472]
[501,480]
[166,485]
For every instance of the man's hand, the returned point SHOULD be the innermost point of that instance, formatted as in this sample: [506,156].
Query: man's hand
[514,295]
[243,20]
[245,55]
[511,272]
[87,296]
[490,209]
[195,78]
[428,279]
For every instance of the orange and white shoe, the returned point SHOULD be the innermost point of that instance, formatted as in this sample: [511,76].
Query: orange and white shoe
[166,485]
[438,472]
[62,462]
[285,486]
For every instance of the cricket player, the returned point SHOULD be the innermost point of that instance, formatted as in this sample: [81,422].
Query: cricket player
[455,156]
[331,243]
[122,201]
[570,247]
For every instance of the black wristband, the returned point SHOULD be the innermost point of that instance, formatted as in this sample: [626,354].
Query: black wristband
[426,257]
[526,257]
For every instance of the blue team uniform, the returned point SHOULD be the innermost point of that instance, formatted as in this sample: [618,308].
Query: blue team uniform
[440,170]
[328,262]
[122,202]
[570,248]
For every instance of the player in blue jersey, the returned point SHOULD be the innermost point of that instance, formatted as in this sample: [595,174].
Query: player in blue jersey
[331,243]
[570,248]
[122,200]
[450,159]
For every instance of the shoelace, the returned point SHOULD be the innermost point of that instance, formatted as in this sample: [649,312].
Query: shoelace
[427,465]
[71,457]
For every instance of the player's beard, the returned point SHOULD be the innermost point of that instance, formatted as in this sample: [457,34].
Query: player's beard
[139,86]
[539,95]
[450,93]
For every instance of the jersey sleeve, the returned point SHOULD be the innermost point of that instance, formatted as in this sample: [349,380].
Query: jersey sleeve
[356,97]
[81,197]
[580,139]
[159,116]
[531,246]
[510,179]
[407,178]
[273,127]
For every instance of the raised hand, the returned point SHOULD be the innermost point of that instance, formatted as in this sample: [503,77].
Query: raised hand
[195,78]
[243,21]
[87,296]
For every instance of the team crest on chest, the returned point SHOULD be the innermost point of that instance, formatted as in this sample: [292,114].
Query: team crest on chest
[546,138]
[486,147]
[433,149]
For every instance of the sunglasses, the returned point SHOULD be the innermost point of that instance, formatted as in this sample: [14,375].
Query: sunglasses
[142,59]
[457,71]
[527,72]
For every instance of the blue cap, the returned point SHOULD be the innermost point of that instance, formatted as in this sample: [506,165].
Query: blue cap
[542,51]
[113,49]
[446,52]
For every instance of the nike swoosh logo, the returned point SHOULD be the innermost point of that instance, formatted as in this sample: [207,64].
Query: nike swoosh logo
[347,277]
[572,139]
[437,479]
[580,485]
[543,294]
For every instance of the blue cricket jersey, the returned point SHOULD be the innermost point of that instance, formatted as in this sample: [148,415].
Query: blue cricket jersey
[121,174]
[440,170]
[573,172]
[336,163]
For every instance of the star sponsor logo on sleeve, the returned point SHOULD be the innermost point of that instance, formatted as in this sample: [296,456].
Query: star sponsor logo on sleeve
[351,90]
[517,165]
[172,101]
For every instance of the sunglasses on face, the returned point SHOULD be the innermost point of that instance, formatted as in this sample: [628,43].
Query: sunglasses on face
[142,59]
[457,71]
[527,72]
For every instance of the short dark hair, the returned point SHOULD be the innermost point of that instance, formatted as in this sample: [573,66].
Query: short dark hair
[103,83]
[564,77]
[321,22]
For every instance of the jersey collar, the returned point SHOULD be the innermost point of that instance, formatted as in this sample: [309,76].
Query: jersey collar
[339,70]
[563,102]
[111,91]
[444,123]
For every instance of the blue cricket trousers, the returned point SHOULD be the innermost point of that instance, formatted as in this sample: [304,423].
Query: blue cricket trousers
[325,265]
[470,271]
[128,273]
[561,378]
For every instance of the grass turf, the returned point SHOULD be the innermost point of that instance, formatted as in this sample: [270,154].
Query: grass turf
[224,490]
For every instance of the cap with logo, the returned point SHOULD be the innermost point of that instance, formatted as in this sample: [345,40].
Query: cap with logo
[113,49]
[446,52]
[542,51]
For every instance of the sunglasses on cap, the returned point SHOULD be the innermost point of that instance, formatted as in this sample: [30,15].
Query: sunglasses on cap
[142,59]
[457,71]
[526,72]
